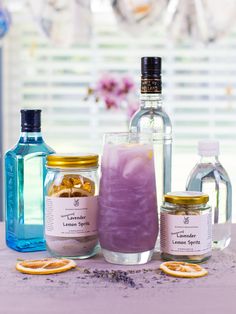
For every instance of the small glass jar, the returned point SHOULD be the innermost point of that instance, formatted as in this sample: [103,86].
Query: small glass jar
[185,227]
[71,203]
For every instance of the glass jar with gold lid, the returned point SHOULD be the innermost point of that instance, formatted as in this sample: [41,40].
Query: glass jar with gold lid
[185,227]
[71,192]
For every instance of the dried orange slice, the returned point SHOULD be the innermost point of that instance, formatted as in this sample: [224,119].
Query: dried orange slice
[72,186]
[79,182]
[182,269]
[62,193]
[74,192]
[45,266]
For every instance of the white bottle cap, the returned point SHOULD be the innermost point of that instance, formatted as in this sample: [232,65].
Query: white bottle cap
[208,148]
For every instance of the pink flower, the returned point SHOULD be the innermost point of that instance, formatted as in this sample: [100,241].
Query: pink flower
[111,102]
[125,87]
[132,107]
[115,91]
[106,85]
[128,84]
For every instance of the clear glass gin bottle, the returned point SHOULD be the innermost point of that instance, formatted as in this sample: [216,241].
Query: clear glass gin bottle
[152,118]
[210,177]
[24,180]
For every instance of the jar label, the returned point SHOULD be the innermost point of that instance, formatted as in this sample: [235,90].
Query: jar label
[71,216]
[186,234]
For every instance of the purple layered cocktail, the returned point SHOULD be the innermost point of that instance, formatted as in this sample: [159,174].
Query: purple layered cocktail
[128,222]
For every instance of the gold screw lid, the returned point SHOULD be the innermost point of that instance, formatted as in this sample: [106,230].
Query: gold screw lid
[186,198]
[72,161]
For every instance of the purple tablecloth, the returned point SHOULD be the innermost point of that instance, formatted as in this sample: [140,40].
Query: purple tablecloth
[78,292]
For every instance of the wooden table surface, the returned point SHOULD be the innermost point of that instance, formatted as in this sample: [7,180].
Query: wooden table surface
[77,292]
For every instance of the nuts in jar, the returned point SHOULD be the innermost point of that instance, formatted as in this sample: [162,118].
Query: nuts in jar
[71,187]
[185,227]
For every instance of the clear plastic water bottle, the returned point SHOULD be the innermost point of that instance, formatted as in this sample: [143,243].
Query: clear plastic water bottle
[210,177]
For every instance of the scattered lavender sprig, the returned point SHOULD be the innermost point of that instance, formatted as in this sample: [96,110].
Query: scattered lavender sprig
[114,276]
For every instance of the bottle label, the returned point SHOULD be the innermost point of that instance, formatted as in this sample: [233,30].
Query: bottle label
[151,86]
[71,216]
[186,234]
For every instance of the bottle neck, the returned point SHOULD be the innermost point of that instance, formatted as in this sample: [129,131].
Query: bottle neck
[150,101]
[151,92]
[209,159]
[31,137]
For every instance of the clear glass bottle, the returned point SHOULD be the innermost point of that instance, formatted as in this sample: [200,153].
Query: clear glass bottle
[24,180]
[153,119]
[210,177]
[71,204]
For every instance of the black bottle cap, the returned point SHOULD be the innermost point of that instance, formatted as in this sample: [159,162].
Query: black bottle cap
[151,66]
[30,120]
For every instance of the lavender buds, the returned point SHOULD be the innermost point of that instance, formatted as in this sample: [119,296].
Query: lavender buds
[114,276]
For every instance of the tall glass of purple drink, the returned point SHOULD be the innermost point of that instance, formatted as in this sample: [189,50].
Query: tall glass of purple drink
[127,219]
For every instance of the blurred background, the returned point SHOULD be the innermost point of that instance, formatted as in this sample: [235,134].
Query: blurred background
[56,54]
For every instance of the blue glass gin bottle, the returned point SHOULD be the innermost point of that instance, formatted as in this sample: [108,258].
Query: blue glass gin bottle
[24,174]
[152,118]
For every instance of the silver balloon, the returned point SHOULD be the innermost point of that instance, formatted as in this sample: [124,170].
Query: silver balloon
[64,22]
[200,20]
[135,15]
